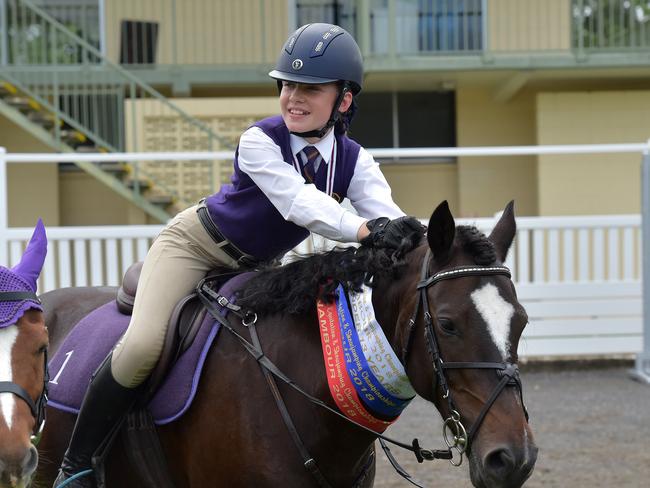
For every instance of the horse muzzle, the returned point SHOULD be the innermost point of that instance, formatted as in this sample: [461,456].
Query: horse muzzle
[17,467]
[503,466]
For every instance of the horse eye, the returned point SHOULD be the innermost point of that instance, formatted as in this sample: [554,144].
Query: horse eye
[447,326]
[42,349]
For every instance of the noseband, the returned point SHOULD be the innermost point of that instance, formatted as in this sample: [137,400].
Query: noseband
[36,407]
[455,434]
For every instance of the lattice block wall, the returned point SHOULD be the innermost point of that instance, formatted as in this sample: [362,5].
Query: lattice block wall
[158,129]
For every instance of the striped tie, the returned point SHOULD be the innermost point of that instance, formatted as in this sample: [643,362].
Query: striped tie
[310,156]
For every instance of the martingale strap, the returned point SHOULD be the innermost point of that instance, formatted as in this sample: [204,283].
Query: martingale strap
[308,461]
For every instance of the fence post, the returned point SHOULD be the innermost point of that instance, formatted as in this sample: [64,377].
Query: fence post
[4,212]
[642,369]
[4,35]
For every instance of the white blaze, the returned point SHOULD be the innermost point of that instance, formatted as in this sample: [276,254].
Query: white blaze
[497,314]
[7,339]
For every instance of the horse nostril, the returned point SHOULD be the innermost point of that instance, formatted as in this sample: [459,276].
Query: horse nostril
[499,463]
[30,461]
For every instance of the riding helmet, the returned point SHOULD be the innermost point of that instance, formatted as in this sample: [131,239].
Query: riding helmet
[320,53]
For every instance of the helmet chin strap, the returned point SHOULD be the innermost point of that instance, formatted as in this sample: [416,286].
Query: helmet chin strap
[334,116]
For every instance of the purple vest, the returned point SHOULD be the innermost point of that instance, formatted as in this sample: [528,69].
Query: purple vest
[247,218]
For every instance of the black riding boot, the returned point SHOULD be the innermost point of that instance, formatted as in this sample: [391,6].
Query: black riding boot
[105,403]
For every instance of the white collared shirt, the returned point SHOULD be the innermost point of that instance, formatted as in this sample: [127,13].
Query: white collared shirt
[305,205]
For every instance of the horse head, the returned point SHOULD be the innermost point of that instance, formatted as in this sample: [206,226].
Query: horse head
[23,364]
[459,335]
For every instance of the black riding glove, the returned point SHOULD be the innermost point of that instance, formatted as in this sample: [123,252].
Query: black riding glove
[388,233]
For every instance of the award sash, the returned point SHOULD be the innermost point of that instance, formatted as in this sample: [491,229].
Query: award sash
[340,384]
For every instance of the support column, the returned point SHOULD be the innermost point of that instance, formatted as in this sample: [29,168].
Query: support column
[642,367]
[4,209]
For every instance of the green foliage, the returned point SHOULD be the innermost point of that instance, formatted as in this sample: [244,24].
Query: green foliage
[41,43]
[611,24]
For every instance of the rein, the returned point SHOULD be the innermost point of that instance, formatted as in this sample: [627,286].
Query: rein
[455,434]
[37,407]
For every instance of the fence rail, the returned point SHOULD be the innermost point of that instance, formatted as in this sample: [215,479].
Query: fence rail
[578,301]
[547,250]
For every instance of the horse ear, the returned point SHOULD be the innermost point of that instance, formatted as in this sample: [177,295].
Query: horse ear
[504,232]
[31,263]
[441,232]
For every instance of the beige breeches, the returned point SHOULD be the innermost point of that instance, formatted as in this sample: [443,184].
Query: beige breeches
[179,258]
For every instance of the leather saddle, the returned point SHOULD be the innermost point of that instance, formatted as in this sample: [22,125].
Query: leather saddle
[184,323]
[140,434]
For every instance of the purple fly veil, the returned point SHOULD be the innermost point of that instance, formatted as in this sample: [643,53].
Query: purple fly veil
[23,277]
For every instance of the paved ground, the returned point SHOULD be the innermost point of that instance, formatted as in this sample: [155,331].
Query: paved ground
[592,426]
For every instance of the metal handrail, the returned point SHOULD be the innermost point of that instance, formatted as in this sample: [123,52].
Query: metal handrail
[78,104]
[128,75]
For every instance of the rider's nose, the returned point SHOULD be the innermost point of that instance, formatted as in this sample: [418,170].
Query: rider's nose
[296,94]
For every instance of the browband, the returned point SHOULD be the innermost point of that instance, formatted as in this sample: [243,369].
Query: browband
[15,296]
[464,271]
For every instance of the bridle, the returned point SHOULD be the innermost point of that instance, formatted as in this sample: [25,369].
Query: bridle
[454,432]
[36,407]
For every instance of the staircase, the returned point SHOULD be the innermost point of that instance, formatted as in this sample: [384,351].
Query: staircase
[75,100]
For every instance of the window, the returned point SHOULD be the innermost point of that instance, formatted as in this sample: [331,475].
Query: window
[450,25]
[333,12]
[78,16]
[138,41]
[406,119]
[427,26]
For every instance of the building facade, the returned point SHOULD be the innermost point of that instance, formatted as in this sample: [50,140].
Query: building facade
[168,75]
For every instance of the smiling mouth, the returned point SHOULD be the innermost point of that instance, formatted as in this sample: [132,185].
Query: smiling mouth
[295,111]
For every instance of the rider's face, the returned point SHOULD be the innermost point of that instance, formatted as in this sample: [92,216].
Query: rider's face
[308,107]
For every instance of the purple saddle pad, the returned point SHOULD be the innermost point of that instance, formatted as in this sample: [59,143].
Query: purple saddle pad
[93,338]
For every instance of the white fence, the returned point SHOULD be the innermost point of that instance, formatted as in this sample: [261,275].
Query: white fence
[579,278]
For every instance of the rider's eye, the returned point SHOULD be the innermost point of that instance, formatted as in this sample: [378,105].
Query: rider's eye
[447,326]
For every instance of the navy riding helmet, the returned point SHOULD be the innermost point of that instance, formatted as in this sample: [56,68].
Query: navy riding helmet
[321,53]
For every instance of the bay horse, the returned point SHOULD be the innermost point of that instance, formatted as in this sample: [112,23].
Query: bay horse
[448,308]
[23,364]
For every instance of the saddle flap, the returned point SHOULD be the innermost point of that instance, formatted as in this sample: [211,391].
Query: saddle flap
[184,324]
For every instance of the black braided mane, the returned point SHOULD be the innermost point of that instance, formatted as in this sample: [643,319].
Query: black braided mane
[474,243]
[294,288]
